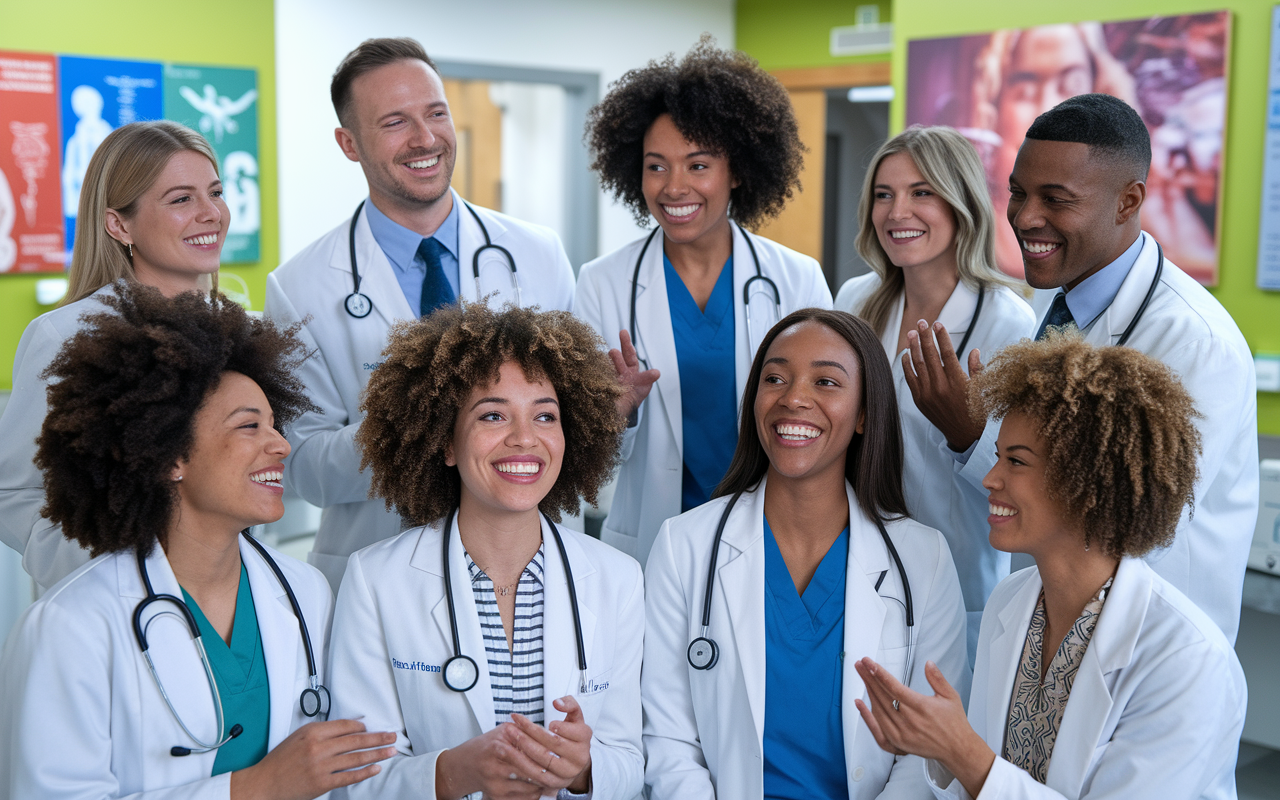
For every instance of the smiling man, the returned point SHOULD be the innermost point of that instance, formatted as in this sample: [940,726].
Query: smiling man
[1075,194]
[417,246]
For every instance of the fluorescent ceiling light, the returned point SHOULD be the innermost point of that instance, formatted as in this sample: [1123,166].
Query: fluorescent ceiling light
[870,94]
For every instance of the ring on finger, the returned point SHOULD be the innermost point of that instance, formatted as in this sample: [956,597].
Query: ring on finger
[512,777]
[895,705]
[550,757]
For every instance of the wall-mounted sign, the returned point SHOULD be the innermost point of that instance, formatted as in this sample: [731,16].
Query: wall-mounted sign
[1269,227]
[56,110]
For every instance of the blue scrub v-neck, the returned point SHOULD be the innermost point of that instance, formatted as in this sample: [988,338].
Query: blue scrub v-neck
[708,381]
[804,663]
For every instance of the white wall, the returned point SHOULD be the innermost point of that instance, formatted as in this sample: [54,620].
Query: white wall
[319,188]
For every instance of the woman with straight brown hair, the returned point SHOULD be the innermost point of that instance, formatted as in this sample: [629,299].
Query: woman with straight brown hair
[759,601]
[151,211]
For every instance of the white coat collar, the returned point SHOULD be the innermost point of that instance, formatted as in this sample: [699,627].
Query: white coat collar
[956,316]
[560,651]
[495,275]
[1117,316]
[741,578]
[377,276]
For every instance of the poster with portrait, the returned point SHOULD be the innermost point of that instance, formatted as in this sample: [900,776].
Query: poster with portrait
[30,206]
[222,103]
[98,95]
[1172,69]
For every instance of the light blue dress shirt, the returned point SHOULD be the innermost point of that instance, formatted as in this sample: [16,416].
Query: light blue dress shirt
[401,248]
[804,676]
[1093,294]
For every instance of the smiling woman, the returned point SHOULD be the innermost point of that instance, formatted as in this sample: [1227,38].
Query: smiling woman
[482,428]
[151,211]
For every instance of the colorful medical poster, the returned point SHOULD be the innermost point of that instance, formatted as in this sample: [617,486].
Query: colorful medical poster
[31,237]
[1269,227]
[1172,69]
[99,95]
[222,103]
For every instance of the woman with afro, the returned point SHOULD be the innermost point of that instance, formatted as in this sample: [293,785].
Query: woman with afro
[1095,677]
[708,147]
[161,448]
[503,650]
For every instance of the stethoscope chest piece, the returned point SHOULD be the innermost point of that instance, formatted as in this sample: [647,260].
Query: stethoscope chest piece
[358,305]
[461,673]
[703,653]
[315,701]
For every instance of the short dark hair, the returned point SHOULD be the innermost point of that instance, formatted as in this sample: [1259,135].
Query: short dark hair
[123,395]
[429,368]
[874,463]
[1110,127]
[719,99]
[371,54]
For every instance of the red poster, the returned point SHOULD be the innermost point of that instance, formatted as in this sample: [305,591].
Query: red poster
[31,234]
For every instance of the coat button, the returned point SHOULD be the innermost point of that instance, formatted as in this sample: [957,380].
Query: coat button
[858,773]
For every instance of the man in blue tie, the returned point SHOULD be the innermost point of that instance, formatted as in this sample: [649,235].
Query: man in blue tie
[1075,194]
[416,246]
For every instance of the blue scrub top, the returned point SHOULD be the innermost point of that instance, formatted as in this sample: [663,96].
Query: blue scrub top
[708,382]
[804,659]
[240,670]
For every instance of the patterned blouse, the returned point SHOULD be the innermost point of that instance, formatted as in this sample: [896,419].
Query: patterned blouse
[515,675]
[1036,708]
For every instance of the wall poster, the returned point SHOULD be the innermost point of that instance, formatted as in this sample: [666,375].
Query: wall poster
[1172,69]
[1269,225]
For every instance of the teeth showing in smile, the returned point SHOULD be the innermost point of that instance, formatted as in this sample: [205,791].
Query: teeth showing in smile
[797,433]
[205,238]
[519,467]
[268,478]
[906,234]
[1001,511]
[679,211]
[1038,247]
[430,162]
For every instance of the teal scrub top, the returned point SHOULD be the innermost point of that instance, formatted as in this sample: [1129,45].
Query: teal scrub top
[240,670]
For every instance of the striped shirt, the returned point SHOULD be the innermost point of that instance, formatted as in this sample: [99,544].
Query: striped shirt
[515,674]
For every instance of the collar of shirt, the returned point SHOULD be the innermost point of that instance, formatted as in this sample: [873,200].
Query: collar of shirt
[1088,300]
[534,567]
[401,244]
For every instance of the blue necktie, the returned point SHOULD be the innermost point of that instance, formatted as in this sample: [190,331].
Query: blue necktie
[1059,316]
[436,291]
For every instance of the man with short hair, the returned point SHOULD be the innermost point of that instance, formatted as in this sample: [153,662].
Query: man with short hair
[417,246]
[1075,193]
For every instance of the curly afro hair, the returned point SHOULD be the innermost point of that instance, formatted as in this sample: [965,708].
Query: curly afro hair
[123,397]
[429,369]
[721,100]
[1118,426]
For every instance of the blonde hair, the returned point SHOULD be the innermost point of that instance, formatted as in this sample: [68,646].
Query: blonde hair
[122,169]
[951,165]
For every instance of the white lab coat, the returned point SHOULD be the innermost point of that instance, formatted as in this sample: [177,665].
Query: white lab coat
[1190,331]
[934,495]
[1156,709]
[392,611]
[651,477]
[312,286]
[47,555]
[704,730]
[81,716]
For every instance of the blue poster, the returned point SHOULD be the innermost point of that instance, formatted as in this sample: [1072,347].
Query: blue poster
[99,95]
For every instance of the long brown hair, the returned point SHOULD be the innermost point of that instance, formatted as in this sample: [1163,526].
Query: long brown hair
[874,462]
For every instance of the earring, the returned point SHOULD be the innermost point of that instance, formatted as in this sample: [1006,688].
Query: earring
[130,246]
[179,480]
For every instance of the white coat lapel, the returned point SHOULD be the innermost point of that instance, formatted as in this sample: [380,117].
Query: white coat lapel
[864,615]
[744,269]
[657,340]
[741,577]
[560,675]
[1006,654]
[1117,316]
[281,641]
[1088,710]
[495,273]
[957,317]
[377,277]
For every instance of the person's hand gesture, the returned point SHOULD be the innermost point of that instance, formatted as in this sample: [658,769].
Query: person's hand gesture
[489,764]
[560,754]
[638,383]
[939,386]
[316,758]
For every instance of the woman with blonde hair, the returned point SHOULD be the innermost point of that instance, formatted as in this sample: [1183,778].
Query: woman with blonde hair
[927,231]
[151,211]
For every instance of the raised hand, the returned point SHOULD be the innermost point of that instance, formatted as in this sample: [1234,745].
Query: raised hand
[939,386]
[637,382]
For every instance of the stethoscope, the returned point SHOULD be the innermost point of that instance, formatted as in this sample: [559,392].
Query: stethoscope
[759,277]
[460,672]
[314,700]
[1146,300]
[704,652]
[359,305]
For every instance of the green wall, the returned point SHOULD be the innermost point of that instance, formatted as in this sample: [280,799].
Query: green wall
[798,34]
[238,33]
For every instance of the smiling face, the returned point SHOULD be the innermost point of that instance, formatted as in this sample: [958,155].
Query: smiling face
[685,185]
[915,226]
[232,478]
[809,403]
[1071,213]
[508,444]
[401,133]
[178,225]
[1023,517]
